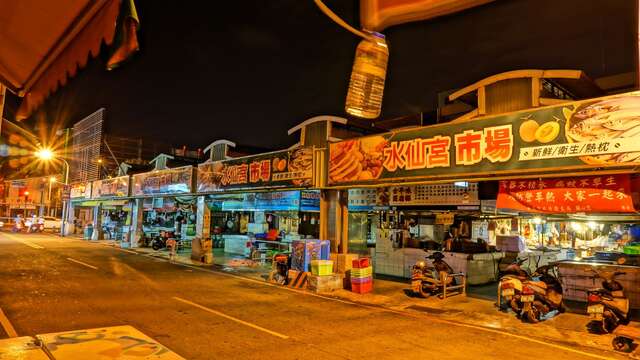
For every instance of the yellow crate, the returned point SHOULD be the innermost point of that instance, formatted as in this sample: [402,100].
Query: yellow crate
[321,267]
[361,273]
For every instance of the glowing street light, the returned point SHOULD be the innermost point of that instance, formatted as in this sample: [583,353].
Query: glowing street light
[44,154]
[47,154]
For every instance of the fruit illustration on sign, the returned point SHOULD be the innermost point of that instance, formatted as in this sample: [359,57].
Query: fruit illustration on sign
[548,132]
[282,165]
[528,130]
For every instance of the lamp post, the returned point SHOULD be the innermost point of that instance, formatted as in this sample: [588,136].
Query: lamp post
[46,154]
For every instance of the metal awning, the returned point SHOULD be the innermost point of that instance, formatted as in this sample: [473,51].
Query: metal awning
[43,42]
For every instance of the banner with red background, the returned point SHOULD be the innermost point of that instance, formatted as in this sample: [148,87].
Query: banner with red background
[595,194]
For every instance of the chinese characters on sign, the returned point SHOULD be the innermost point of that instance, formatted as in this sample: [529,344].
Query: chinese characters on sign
[292,168]
[169,181]
[114,187]
[577,135]
[471,146]
[607,193]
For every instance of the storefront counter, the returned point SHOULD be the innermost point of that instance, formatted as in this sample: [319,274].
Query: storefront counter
[236,244]
[480,268]
[576,278]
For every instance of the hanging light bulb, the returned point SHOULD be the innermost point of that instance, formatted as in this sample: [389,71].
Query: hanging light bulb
[364,97]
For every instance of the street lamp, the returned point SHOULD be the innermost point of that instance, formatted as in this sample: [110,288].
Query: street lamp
[47,154]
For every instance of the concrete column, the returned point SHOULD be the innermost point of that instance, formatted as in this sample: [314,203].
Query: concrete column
[136,230]
[334,219]
[200,217]
[97,223]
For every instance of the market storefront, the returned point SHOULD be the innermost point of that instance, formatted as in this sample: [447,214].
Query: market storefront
[164,206]
[592,142]
[113,209]
[256,205]
[82,209]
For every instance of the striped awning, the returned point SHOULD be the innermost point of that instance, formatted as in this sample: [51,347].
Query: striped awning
[44,42]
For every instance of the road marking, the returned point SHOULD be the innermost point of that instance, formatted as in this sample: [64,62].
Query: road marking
[82,263]
[231,318]
[379,308]
[24,242]
[30,244]
[6,325]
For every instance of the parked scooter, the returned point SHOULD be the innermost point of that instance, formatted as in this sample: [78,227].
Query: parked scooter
[607,306]
[427,280]
[36,228]
[541,295]
[510,286]
[158,242]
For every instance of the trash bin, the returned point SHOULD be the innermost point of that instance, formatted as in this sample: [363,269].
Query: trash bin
[88,231]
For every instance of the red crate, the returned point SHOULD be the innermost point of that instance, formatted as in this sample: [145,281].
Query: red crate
[360,263]
[362,288]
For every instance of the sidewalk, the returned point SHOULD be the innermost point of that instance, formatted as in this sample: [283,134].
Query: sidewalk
[473,310]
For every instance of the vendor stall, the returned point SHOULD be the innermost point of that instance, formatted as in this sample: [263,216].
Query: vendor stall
[112,207]
[164,205]
[564,161]
[257,205]
[81,207]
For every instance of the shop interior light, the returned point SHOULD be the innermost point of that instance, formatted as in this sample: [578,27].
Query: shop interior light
[462,184]
[592,225]
[576,226]
[537,220]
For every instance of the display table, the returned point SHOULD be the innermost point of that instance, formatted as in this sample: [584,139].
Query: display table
[235,244]
[576,278]
[479,268]
[261,247]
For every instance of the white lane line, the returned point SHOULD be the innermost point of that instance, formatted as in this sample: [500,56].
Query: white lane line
[6,325]
[231,318]
[24,242]
[30,244]
[384,309]
[82,263]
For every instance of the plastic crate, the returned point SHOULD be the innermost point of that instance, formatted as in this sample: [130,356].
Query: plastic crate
[321,267]
[360,263]
[632,249]
[362,280]
[362,288]
[361,273]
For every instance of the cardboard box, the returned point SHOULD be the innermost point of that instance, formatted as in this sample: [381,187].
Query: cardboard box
[343,262]
[326,283]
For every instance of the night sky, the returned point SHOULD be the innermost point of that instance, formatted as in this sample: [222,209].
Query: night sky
[253,69]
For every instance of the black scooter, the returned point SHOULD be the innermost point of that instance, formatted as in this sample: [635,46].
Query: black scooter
[427,280]
[607,306]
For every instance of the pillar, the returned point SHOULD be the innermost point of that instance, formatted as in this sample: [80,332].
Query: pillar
[334,224]
[97,223]
[136,230]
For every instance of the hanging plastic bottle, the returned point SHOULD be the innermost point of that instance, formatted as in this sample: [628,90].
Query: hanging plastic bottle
[366,87]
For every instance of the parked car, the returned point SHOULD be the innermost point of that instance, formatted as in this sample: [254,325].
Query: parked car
[52,223]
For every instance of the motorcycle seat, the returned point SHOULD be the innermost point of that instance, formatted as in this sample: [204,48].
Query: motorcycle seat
[540,284]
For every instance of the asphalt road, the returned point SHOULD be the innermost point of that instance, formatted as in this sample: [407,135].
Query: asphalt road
[50,284]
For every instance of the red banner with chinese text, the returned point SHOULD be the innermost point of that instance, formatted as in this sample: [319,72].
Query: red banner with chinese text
[594,194]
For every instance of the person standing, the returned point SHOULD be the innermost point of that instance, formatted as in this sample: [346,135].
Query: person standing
[172,244]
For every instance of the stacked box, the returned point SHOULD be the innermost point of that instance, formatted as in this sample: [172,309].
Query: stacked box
[304,251]
[321,267]
[361,276]
[344,262]
[325,283]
